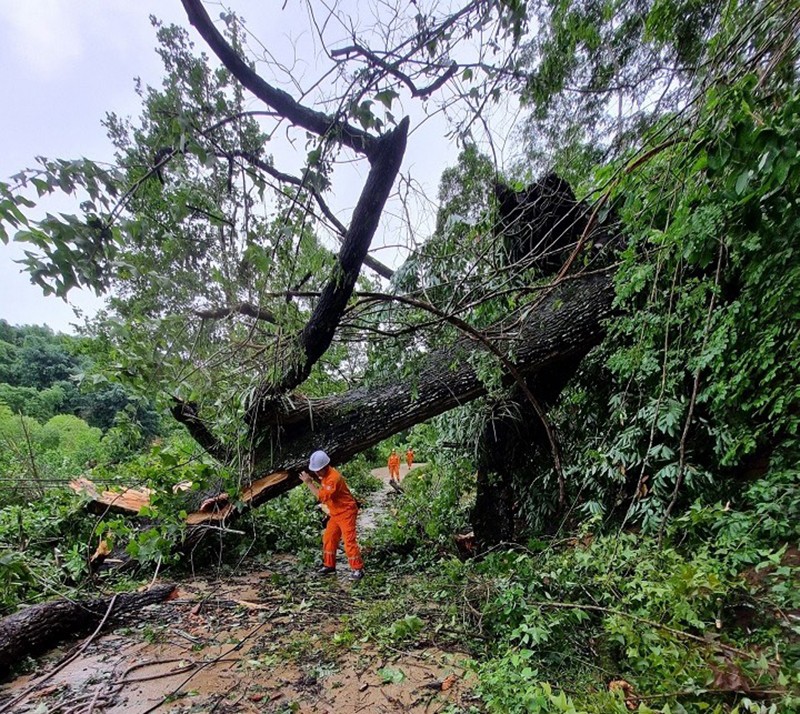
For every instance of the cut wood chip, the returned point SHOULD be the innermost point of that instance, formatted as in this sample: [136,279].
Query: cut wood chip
[100,554]
[449,682]
[130,500]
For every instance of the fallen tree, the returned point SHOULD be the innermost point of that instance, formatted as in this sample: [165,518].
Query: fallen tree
[568,321]
[553,332]
[551,339]
[36,629]
[565,324]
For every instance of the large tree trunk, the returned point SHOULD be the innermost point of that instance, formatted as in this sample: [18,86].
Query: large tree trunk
[566,324]
[554,336]
[40,627]
[514,439]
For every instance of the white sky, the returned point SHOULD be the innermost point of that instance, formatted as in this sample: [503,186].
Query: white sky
[65,63]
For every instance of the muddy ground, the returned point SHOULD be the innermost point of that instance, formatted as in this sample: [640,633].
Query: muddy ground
[274,638]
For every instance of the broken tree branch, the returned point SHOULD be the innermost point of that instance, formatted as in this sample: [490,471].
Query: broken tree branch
[315,338]
[242,308]
[186,413]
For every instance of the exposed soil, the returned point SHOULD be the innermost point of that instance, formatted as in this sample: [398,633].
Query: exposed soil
[275,639]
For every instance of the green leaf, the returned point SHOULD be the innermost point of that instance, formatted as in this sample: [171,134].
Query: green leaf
[386,97]
[391,676]
[742,181]
[781,169]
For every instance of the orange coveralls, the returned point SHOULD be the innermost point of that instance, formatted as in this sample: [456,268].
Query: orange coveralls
[394,466]
[333,492]
[410,458]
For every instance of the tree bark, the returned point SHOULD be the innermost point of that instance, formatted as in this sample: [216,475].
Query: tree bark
[511,445]
[565,325]
[40,627]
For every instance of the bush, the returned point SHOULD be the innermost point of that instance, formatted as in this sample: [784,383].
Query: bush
[360,480]
[433,508]
[291,523]
[69,444]
[632,610]
[44,547]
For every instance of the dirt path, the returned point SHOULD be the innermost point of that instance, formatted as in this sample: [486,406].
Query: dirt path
[368,518]
[275,639]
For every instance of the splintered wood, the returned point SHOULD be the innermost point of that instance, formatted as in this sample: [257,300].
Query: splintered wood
[131,500]
[128,500]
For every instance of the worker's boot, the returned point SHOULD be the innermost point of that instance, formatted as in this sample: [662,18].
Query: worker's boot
[326,570]
[357,574]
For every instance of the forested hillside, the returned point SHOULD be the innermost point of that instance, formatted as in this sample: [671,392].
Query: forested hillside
[594,347]
[58,415]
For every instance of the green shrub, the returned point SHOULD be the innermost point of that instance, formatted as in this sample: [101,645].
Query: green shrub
[44,547]
[290,523]
[618,606]
[433,508]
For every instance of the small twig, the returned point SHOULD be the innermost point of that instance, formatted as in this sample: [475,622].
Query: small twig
[222,697]
[78,704]
[92,704]
[150,663]
[155,575]
[162,675]
[208,526]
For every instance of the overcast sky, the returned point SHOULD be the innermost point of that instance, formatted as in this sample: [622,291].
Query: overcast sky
[65,63]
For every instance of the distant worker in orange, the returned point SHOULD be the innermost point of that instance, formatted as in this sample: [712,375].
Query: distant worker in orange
[329,486]
[394,466]
[409,457]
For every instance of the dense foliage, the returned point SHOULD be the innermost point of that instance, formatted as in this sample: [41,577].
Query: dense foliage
[59,416]
[668,564]
[695,387]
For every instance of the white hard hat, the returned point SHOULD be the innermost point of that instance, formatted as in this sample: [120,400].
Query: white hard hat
[318,461]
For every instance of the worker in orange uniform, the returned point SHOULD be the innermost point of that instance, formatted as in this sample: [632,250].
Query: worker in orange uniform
[409,457]
[394,466]
[329,486]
